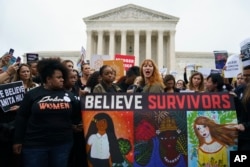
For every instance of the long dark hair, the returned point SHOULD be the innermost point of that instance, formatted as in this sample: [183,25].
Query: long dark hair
[93,80]
[115,152]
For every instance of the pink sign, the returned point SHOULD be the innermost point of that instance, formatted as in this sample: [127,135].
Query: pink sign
[128,60]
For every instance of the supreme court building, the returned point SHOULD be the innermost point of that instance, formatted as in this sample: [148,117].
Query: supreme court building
[138,31]
[133,30]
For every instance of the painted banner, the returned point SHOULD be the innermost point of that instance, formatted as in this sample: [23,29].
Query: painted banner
[11,94]
[128,60]
[159,130]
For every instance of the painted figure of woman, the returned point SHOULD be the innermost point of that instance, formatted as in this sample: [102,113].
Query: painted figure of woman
[102,145]
[213,141]
[164,152]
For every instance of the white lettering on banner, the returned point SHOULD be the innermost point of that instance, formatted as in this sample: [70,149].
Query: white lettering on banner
[7,101]
[120,102]
[19,97]
[1,94]
[13,91]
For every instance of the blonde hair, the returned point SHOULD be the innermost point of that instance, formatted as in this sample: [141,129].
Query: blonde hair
[220,132]
[30,83]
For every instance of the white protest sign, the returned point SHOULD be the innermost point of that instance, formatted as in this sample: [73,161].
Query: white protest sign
[233,66]
[11,94]
[216,71]
[245,52]
[97,61]
[244,42]
[205,71]
[174,73]
[190,66]
[163,71]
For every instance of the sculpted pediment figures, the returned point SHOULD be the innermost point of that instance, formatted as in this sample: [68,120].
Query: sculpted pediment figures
[131,13]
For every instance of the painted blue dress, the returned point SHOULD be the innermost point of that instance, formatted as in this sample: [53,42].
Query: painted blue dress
[155,160]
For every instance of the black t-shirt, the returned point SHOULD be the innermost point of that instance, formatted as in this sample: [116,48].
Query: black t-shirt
[45,117]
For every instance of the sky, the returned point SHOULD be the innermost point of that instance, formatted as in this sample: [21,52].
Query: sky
[57,25]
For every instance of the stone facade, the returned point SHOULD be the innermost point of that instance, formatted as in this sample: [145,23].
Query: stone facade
[138,31]
[133,30]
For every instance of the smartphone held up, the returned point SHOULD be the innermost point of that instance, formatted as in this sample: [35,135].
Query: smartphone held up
[11,51]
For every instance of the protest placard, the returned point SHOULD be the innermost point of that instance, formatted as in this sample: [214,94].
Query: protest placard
[117,65]
[11,94]
[190,67]
[32,57]
[128,60]
[245,52]
[138,126]
[233,66]
[220,58]
[205,71]
[97,61]
[163,71]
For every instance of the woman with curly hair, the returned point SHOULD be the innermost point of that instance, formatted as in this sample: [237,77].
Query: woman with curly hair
[151,77]
[213,141]
[43,126]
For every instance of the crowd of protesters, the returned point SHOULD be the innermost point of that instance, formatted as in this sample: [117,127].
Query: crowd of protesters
[55,136]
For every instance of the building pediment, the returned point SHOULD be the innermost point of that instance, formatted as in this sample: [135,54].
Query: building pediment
[131,12]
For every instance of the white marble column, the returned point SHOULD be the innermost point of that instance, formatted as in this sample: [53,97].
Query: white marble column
[160,49]
[136,47]
[112,44]
[148,44]
[89,45]
[100,43]
[172,51]
[123,42]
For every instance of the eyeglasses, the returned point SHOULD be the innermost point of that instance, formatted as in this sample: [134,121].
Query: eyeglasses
[239,78]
